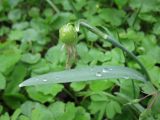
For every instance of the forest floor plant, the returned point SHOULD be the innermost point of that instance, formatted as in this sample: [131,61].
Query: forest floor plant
[68,35]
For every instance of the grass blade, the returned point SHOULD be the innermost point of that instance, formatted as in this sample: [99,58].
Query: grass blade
[85,74]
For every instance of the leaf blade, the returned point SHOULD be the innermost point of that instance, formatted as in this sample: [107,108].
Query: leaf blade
[85,74]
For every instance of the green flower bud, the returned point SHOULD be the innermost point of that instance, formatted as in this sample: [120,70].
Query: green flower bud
[68,34]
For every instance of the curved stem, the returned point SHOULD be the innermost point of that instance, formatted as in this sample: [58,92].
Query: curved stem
[112,41]
[53,5]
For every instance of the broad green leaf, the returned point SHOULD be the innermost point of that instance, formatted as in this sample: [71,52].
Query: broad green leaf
[84,74]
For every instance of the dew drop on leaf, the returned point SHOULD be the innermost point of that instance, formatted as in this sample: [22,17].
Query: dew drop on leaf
[126,77]
[45,80]
[98,74]
[105,70]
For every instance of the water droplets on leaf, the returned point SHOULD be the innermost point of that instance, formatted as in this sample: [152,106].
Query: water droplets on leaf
[44,80]
[106,70]
[126,77]
[20,85]
[98,74]
[57,78]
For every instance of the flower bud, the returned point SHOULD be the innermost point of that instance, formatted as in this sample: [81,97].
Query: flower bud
[68,34]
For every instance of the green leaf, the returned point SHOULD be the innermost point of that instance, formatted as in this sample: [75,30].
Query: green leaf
[15,14]
[120,3]
[16,114]
[69,112]
[16,35]
[30,58]
[50,89]
[56,55]
[22,117]
[41,112]
[84,74]
[17,76]
[148,17]
[21,25]
[82,51]
[9,56]
[5,117]
[91,36]
[78,86]
[2,81]
[97,55]
[117,16]
[34,12]
[38,96]
[27,107]
[148,88]
[112,108]
[100,85]
[13,3]
[156,28]
[81,114]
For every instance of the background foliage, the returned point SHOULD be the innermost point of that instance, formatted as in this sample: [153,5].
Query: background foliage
[29,46]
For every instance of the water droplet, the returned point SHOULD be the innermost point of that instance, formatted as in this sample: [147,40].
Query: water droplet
[126,77]
[44,80]
[105,70]
[110,69]
[98,74]
[20,85]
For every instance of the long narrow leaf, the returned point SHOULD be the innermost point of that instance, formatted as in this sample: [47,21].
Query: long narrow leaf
[85,74]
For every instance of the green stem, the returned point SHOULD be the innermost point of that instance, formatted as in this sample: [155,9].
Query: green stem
[134,89]
[112,41]
[53,5]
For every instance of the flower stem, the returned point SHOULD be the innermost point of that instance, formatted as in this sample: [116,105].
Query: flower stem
[53,5]
[112,41]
